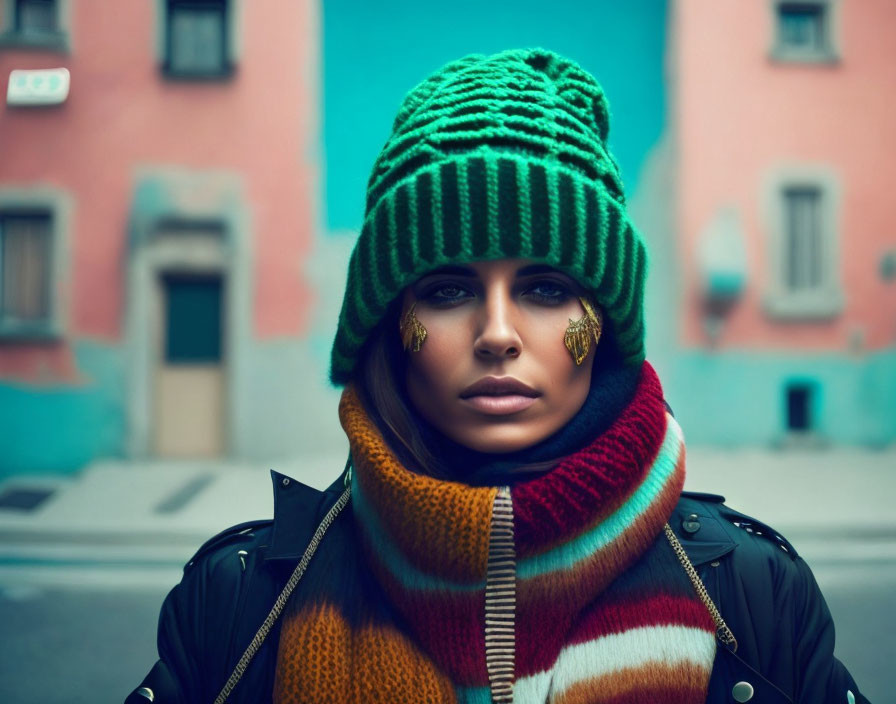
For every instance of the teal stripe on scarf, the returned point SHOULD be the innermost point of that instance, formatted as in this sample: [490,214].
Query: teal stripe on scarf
[567,555]
[409,576]
[473,695]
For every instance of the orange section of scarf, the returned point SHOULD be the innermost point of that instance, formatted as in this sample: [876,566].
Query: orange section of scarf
[424,511]
[323,660]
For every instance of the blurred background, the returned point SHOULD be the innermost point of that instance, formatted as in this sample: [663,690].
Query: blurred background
[181,183]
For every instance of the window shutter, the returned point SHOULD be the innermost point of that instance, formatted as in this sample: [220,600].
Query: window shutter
[25,268]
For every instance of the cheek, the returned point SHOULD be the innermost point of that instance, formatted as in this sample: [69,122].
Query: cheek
[433,372]
[437,359]
[550,351]
[423,376]
[569,383]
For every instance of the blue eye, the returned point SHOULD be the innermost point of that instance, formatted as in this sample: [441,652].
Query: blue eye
[445,294]
[548,292]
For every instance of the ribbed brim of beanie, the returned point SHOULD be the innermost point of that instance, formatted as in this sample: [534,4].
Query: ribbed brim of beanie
[490,158]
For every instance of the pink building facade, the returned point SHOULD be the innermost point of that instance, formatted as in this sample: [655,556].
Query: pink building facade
[154,226]
[780,287]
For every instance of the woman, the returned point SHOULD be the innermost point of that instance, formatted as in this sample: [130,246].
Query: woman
[505,529]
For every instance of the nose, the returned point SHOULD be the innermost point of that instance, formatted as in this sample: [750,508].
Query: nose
[497,337]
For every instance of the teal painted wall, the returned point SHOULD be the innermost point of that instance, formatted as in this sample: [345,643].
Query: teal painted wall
[61,428]
[738,398]
[374,53]
[288,410]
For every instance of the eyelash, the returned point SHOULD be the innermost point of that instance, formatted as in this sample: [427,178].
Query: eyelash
[561,293]
[432,295]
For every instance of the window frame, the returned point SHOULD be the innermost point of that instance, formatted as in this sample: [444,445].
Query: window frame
[229,42]
[781,300]
[58,41]
[827,53]
[55,204]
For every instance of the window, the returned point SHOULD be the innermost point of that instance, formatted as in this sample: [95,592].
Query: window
[803,239]
[804,31]
[799,408]
[803,262]
[197,39]
[34,225]
[193,315]
[36,24]
[25,266]
[36,16]
[801,27]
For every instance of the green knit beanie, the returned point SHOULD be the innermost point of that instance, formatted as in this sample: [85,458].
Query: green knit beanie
[495,157]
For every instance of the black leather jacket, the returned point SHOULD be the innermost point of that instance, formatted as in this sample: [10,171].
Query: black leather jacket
[763,589]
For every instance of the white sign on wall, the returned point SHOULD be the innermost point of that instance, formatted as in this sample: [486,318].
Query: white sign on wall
[38,86]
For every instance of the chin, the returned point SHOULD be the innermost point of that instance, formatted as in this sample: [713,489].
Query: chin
[499,441]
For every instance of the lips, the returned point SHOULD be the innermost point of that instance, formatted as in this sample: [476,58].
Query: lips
[499,396]
[499,386]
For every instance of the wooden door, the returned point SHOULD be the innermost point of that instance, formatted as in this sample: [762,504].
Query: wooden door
[190,388]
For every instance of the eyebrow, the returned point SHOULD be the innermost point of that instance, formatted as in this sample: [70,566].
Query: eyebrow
[451,271]
[535,269]
[469,272]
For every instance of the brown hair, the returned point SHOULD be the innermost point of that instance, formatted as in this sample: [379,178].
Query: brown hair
[380,381]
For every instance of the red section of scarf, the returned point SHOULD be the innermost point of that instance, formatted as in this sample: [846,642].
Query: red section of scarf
[589,485]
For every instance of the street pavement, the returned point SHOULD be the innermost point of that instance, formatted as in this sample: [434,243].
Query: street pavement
[82,576]
[146,517]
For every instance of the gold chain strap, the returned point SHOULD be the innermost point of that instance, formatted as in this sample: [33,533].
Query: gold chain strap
[723,633]
[277,608]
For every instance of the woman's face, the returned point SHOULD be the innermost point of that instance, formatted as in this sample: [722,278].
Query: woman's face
[494,374]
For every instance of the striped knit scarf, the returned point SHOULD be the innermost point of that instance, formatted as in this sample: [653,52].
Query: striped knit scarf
[559,589]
